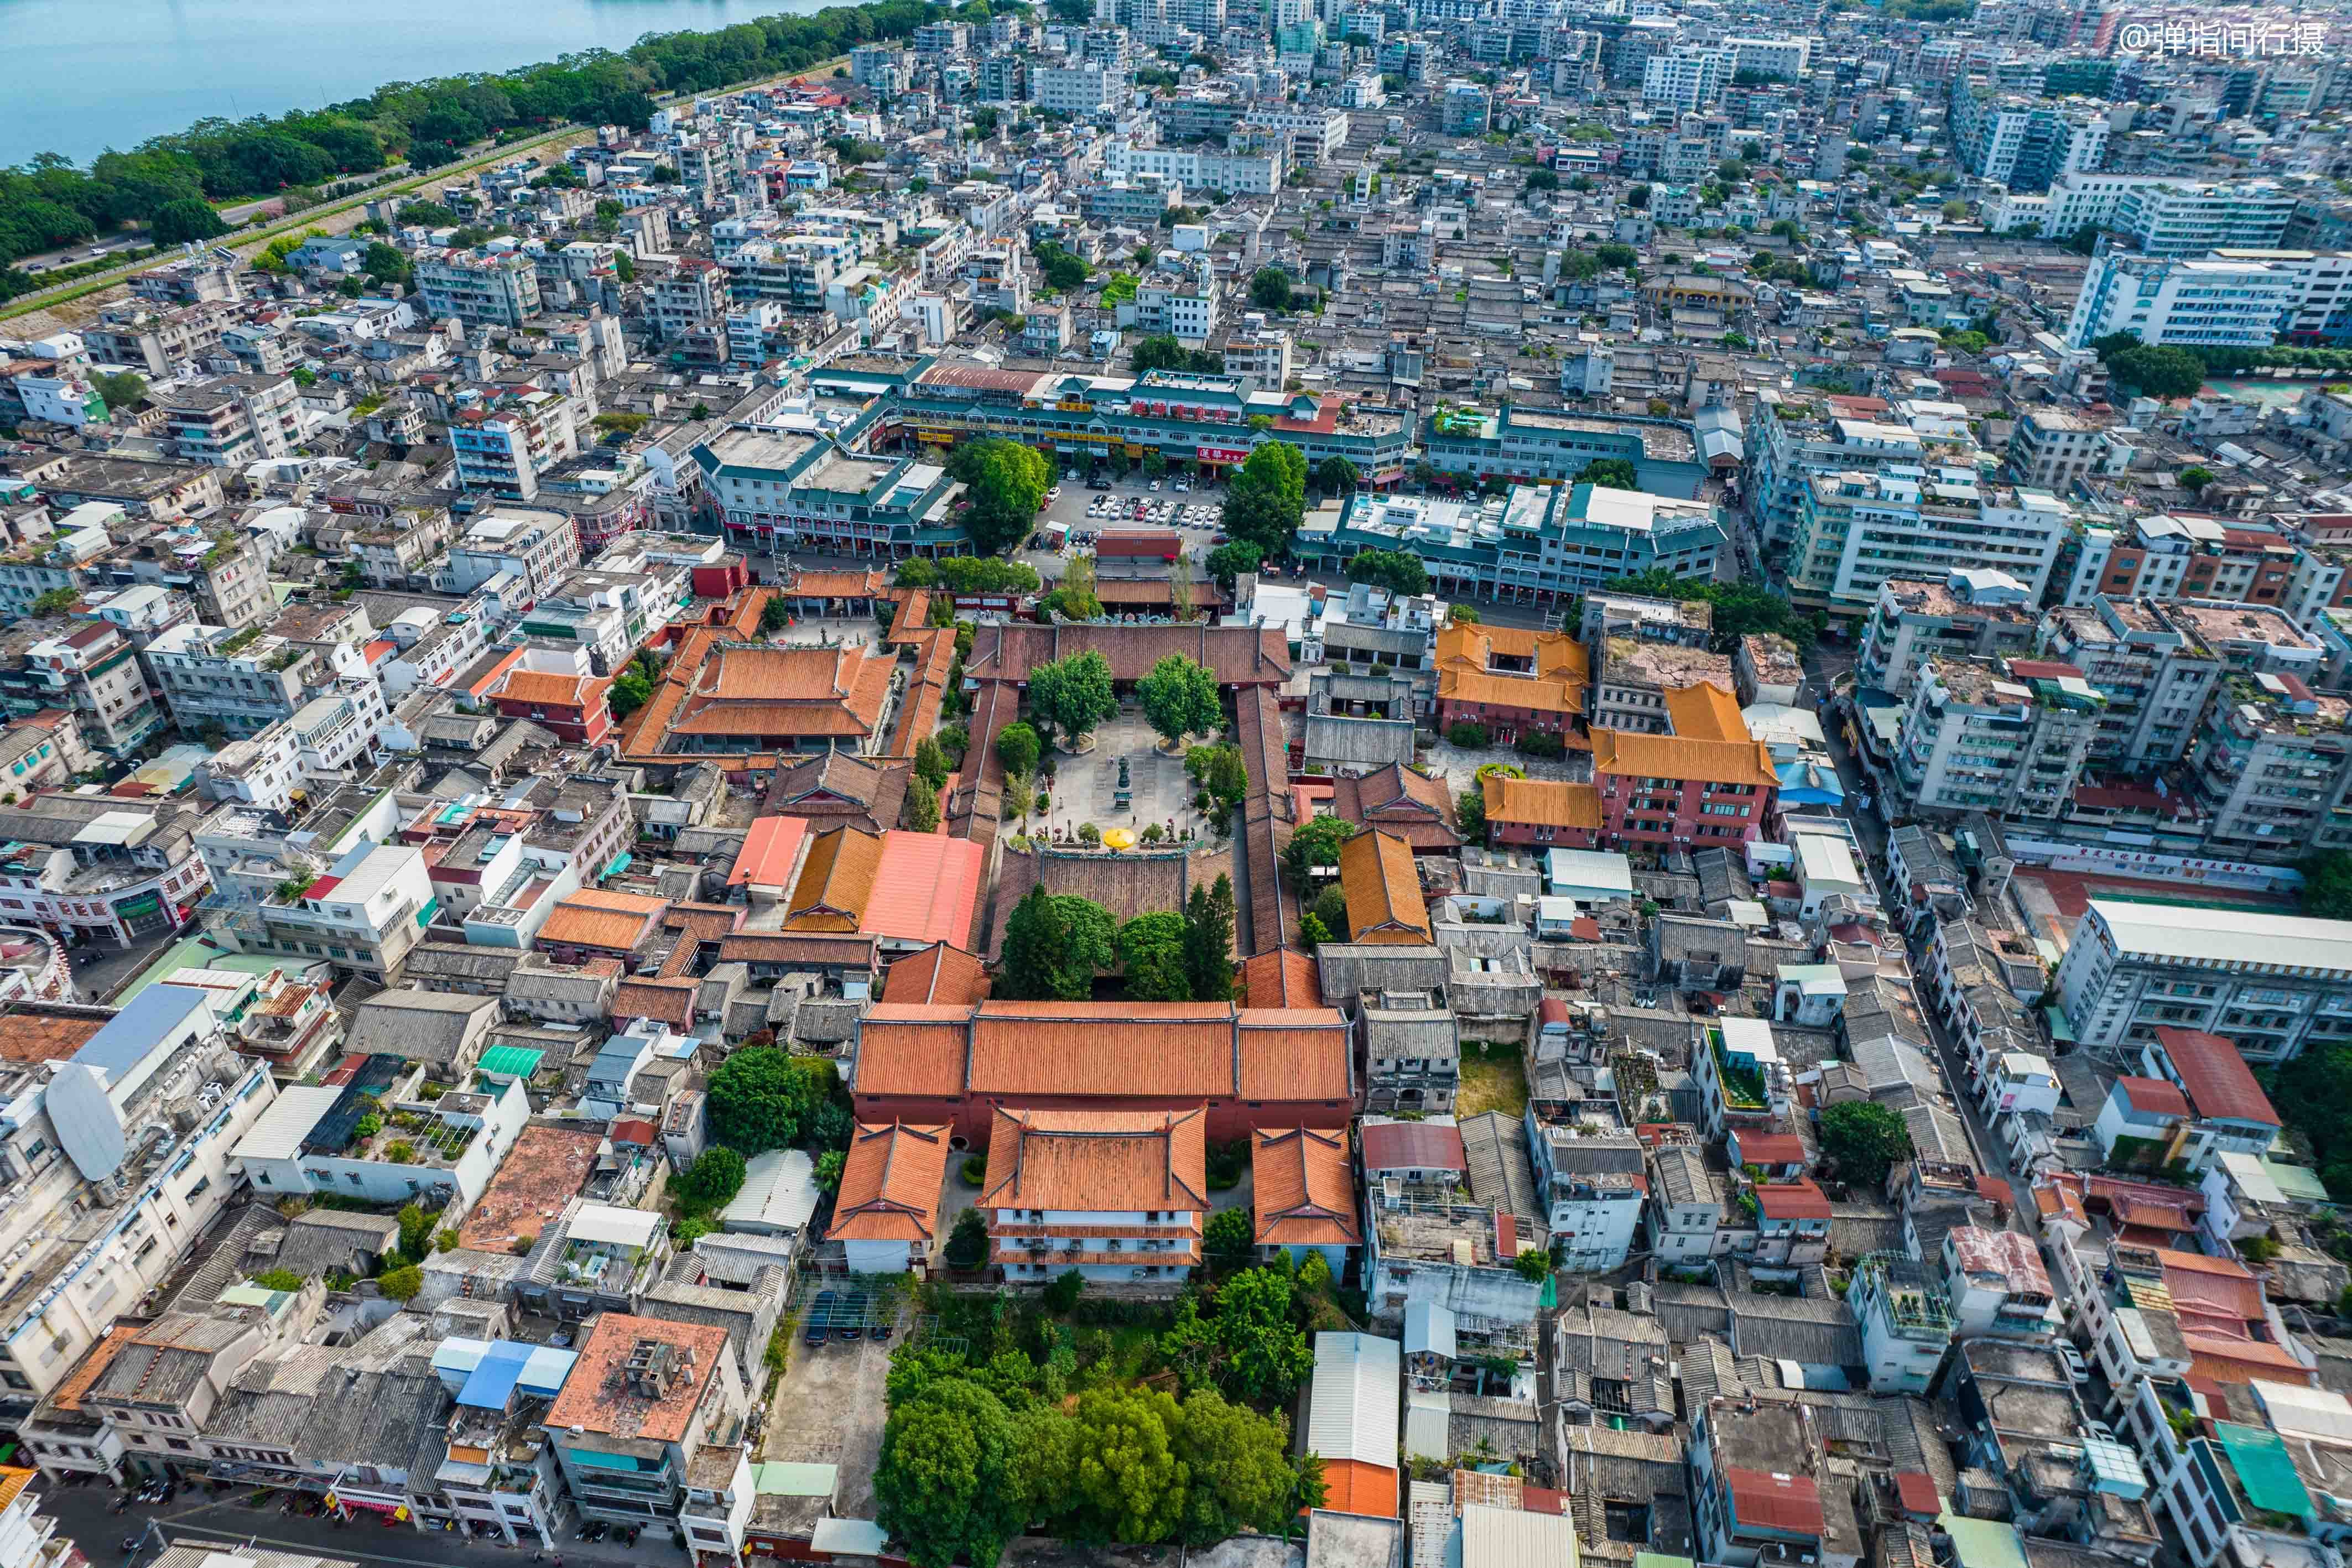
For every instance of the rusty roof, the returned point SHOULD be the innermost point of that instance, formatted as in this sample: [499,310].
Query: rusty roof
[598,1397]
[1093,1161]
[39,1032]
[545,1170]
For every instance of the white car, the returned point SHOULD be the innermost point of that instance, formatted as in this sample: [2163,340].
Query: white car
[1155,483]
[1055,494]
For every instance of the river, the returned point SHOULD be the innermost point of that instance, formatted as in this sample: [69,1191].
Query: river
[85,75]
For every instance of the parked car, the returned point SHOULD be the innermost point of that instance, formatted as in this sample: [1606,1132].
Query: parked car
[2072,1359]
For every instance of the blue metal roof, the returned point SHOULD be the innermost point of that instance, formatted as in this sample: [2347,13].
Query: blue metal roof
[492,1382]
[145,1022]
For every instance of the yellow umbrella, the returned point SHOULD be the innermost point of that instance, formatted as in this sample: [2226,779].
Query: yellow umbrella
[1121,838]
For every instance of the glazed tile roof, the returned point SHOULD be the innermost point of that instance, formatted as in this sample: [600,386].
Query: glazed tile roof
[1541,803]
[1626,754]
[1383,890]
[1304,1188]
[891,1184]
[1093,1161]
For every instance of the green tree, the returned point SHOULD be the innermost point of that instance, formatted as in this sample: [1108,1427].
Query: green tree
[416,1230]
[2159,373]
[280,1279]
[1017,748]
[1073,693]
[1064,1292]
[1316,844]
[2327,892]
[1267,499]
[1007,483]
[1270,288]
[1542,179]
[1336,477]
[1616,472]
[1229,562]
[1209,941]
[828,1169]
[1129,1484]
[2195,479]
[1062,270]
[1865,1138]
[629,691]
[1312,932]
[121,389]
[1151,951]
[931,762]
[968,1241]
[189,218]
[1242,1477]
[713,1180]
[401,1285]
[1266,1351]
[56,602]
[1398,572]
[1470,815]
[759,1098]
[1180,698]
[941,1487]
[1054,946]
[1230,1234]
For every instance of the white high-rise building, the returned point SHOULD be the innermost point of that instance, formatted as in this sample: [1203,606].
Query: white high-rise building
[1686,80]
[2215,302]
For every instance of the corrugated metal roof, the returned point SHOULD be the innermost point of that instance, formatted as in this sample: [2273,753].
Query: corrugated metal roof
[143,1026]
[1513,1538]
[603,1223]
[278,1134]
[779,1189]
[1351,1413]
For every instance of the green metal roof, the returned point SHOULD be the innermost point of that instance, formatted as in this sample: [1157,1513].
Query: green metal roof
[1982,1542]
[509,1061]
[2265,1473]
[2300,1182]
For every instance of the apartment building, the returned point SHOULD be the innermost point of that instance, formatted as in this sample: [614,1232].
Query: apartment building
[2273,985]
[1644,688]
[497,289]
[1204,168]
[2009,739]
[2166,218]
[2171,300]
[1856,530]
[1967,614]
[507,441]
[229,421]
[2161,556]
[237,683]
[1078,90]
[363,915]
[2271,769]
[2050,448]
[2025,143]
[643,1403]
[91,669]
[1683,792]
[2152,667]
[536,549]
[1590,1183]
[1186,309]
[119,1163]
[1794,442]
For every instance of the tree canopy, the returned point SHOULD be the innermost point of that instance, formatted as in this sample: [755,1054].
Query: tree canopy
[1055,944]
[1151,954]
[1400,571]
[1616,472]
[1866,1139]
[1073,693]
[1317,842]
[1162,352]
[761,1097]
[1007,483]
[1232,560]
[1209,941]
[1017,748]
[1740,608]
[1180,698]
[1270,288]
[1266,498]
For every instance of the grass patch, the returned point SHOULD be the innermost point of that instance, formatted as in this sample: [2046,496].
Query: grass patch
[1493,1077]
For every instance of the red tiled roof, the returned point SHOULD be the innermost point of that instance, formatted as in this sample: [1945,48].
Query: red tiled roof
[1918,1493]
[1771,1500]
[2219,1083]
[1792,1200]
[2154,1096]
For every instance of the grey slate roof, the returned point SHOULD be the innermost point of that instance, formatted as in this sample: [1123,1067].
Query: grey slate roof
[1500,1174]
[420,1025]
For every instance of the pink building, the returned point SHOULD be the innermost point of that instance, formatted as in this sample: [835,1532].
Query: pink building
[1671,789]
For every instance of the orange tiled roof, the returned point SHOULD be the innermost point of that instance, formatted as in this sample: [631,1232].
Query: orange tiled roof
[1536,693]
[1629,755]
[546,687]
[1705,711]
[1383,891]
[837,879]
[1281,977]
[1303,1188]
[1092,1161]
[668,1001]
[35,1033]
[597,1397]
[891,1184]
[598,917]
[1541,803]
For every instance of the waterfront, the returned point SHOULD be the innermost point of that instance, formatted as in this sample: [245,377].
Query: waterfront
[83,77]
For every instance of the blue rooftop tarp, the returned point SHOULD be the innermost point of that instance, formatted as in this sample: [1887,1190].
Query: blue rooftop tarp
[492,1382]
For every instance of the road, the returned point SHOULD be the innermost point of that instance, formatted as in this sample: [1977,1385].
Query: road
[336,217]
[81,1513]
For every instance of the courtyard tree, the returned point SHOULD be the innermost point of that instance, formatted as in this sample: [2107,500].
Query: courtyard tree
[1180,698]
[1270,288]
[1073,693]
[1316,843]
[1054,946]
[1615,473]
[1209,941]
[1151,952]
[1231,560]
[714,1178]
[1017,748]
[1865,1139]
[943,1488]
[761,1097]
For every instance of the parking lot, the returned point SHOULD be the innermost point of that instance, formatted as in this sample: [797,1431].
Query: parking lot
[828,1407]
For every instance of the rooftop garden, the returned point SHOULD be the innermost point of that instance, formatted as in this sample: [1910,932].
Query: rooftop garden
[1743,1087]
